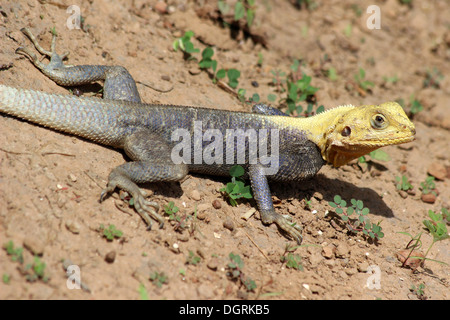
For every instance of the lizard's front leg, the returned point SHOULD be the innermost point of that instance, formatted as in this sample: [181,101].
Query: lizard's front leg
[152,163]
[261,193]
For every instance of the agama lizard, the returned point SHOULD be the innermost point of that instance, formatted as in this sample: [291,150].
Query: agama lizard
[145,131]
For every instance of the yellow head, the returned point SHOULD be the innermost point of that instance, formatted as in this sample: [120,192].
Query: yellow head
[357,131]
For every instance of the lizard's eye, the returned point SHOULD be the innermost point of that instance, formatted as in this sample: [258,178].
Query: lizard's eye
[346,131]
[378,121]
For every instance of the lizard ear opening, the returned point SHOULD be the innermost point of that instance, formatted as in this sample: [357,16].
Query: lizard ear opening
[346,131]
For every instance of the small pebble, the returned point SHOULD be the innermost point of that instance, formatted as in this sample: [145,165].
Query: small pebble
[195,195]
[327,252]
[228,224]
[428,198]
[110,256]
[216,204]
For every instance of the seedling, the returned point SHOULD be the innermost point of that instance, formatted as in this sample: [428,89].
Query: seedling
[245,8]
[361,82]
[37,271]
[235,272]
[184,44]
[418,291]
[180,221]
[433,79]
[236,189]
[143,294]
[158,278]
[403,183]
[293,261]
[6,278]
[192,258]
[361,222]
[378,154]
[207,62]
[15,253]
[438,230]
[111,232]
[428,186]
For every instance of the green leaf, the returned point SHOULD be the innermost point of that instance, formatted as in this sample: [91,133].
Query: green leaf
[237,171]
[250,17]
[337,199]
[379,155]
[271,97]
[332,204]
[207,53]
[239,11]
[233,75]
[221,74]
[359,204]
[223,7]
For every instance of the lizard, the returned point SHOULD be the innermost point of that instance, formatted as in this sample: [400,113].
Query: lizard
[145,132]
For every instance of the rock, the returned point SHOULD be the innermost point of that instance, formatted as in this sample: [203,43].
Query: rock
[213,263]
[73,226]
[342,250]
[228,224]
[195,195]
[428,198]
[35,246]
[161,7]
[216,204]
[437,170]
[363,267]
[110,257]
[328,252]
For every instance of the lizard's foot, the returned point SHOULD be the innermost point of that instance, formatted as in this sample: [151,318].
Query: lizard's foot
[144,208]
[293,230]
[55,59]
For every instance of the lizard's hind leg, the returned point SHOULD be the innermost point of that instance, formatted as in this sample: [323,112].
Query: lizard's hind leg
[119,84]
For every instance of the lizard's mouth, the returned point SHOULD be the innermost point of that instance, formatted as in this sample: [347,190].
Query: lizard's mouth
[339,155]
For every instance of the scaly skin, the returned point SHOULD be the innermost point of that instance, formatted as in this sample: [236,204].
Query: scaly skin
[145,131]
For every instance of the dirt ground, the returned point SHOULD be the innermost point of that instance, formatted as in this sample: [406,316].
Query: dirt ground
[50,182]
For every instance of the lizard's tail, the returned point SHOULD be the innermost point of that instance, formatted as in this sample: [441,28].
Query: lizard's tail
[91,118]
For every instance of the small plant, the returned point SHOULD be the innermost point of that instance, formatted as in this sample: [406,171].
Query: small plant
[180,221]
[299,89]
[37,269]
[437,227]
[361,82]
[184,44]
[15,253]
[235,267]
[378,154]
[6,278]
[418,291]
[192,258]
[236,189]
[433,79]
[416,106]
[293,261]
[242,8]
[143,294]
[158,278]
[111,232]
[207,62]
[438,230]
[403,183]
[428,186]
[361,222]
